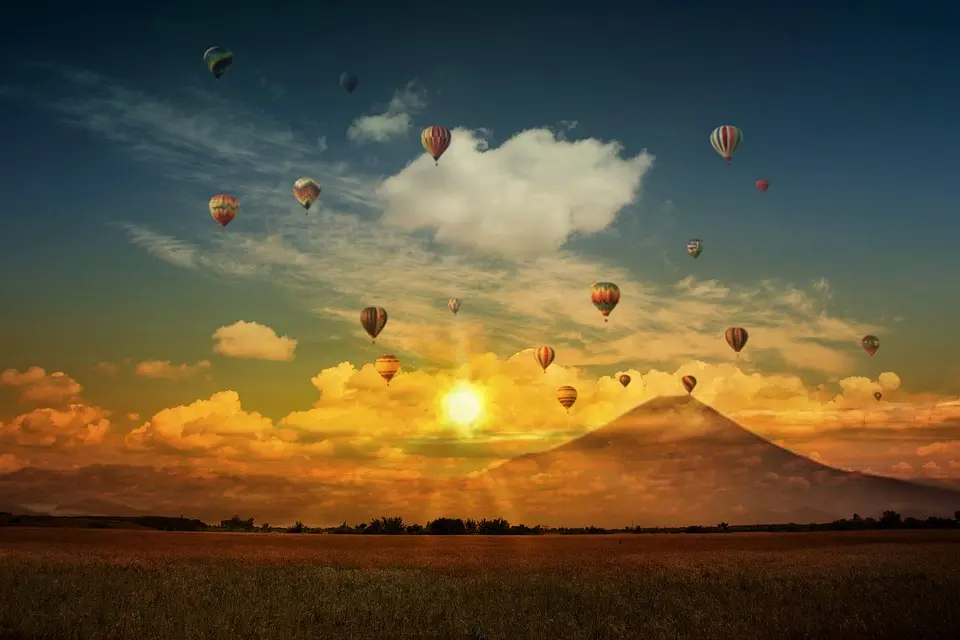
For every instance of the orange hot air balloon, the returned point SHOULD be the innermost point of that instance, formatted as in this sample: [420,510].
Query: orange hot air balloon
[387,366]
[605,296]
[435,140]
[544,356]
[689,383]
[566,396]
[624,379]
[224,208]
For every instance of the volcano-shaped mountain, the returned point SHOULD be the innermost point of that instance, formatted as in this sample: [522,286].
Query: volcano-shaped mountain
[676,461]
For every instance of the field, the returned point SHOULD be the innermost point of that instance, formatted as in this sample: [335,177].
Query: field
[57,583]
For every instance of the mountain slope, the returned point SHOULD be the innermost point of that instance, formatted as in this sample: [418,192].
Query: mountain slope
[675,461]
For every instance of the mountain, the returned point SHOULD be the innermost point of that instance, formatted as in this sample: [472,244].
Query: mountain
[677,461]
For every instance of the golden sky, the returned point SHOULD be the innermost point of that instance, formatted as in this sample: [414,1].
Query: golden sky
[363,438]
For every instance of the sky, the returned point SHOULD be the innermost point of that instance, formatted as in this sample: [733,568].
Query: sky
[139,336]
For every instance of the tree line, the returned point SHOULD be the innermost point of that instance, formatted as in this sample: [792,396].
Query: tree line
[460,526]
[499,526]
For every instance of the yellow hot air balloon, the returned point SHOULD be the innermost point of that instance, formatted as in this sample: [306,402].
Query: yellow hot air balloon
[566,396]
[387,366]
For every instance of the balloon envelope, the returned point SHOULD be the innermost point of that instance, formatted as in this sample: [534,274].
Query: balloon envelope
[373,320]
[763,185]
[349,81]
[566,396]
[544,356]
[218,60]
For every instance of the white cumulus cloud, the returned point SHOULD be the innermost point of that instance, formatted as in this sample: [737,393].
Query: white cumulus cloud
[527,196]
[392,123]
[254,341]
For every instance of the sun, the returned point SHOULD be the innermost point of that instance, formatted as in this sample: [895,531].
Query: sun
[463,404]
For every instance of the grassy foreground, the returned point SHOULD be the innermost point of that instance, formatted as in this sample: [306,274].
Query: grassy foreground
[132,584]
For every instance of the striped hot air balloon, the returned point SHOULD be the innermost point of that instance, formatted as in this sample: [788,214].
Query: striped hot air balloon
[454,305]
[737,338]
[373,320]
[624,379]
[694,247]
[224,208]
[544,356]
[387,366]
[566,396]
[689,383]
[725,139]
[435,140]
[605,296]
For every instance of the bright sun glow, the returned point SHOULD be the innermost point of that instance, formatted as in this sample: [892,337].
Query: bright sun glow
[463,404]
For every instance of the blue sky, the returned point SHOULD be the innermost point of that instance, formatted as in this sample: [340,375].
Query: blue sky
[116,135]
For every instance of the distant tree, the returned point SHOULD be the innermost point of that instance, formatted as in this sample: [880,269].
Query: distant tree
[495,527]
[890,520]
[298,527]
[446,526]
[265,526]
[236,524]
[471,526]
[393,526]
[857,518]
[956,516]
[361,527]
[415,529]
[723,526]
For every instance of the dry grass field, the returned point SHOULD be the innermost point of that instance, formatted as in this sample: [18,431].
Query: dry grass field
[57,583]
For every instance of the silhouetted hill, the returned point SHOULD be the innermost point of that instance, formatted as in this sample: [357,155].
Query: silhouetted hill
[676,461]
[161,523]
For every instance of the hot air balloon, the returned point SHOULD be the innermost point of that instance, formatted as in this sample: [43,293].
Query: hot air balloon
[726,139]
[544,356]
[306,191]
[624,379]
[566,396]
[694,247]
[870,344]
[737,338]
[689,383]
[224,208]
[435,140]
[454,304]
[387,366]
[349,81]
[373,320]
[218,60]
[763,185]
[605,296]
[877,395]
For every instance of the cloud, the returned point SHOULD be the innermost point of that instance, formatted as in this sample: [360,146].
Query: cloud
[39,387]
[364,447]
[75,425]
[184,134]
[526,197]
[167,370]
[393,123]
[321,144]
[253,340]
